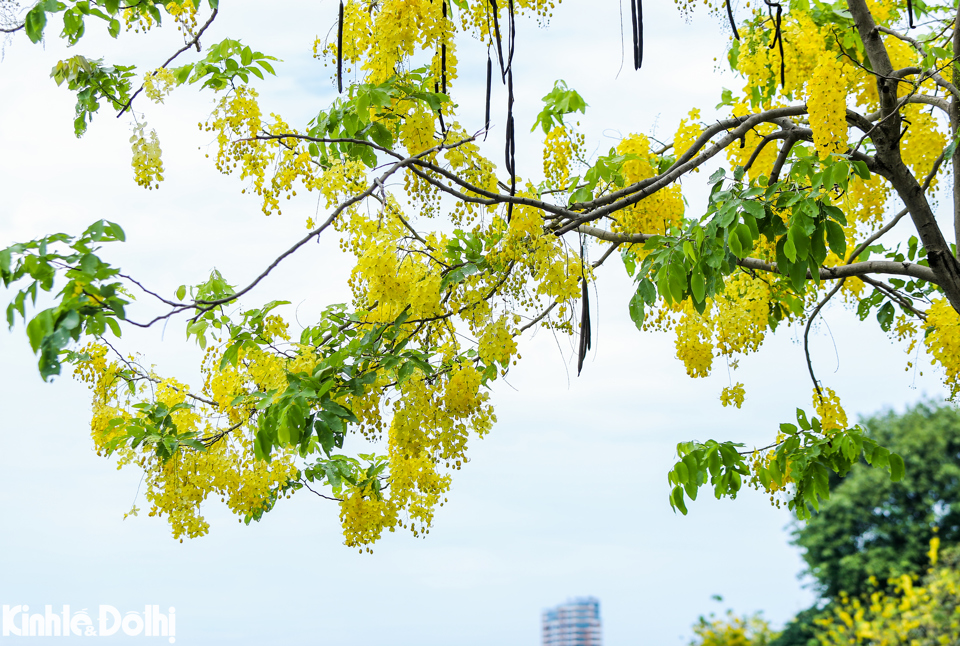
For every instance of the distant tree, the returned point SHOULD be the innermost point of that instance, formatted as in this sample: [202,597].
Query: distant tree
[872,527]
[916,611]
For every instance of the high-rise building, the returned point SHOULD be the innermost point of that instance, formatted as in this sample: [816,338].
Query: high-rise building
[575,623]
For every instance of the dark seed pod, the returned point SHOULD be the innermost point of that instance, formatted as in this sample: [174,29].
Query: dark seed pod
[486,122]
[340,51]
[585,331]
[496,31]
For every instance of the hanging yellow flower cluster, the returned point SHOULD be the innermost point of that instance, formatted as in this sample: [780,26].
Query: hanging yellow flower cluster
[147,165]
[943,341]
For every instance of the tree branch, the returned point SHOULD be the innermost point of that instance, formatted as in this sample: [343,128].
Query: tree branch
[888,267]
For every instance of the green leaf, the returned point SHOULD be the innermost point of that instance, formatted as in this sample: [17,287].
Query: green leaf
[801,243]
[114,326]
[790,250]
[755,209]
[947,152]
[231,355]
[885,316]
[736,247]
[39,327]
[35,22]
[637,310]
[647,290]
[788,429]
[836,239]
[698,285]
[742,231]
[676,500]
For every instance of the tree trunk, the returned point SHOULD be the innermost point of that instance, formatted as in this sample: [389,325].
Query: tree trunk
[886,138]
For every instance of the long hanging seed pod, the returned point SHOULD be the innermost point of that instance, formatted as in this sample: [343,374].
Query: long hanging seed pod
[910,12]
[510,152]
[783,64]
[636,22]
[585,331]
[486,121]
[442,86]
[733,23]
[511,37]
[340,51]
[496,31]
[511,144]
[639,44]
[778,37]
[443,53]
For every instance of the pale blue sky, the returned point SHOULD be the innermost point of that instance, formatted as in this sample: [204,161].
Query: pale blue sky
[566,497]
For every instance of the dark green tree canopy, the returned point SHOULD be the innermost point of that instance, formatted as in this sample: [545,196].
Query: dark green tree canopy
[872,527]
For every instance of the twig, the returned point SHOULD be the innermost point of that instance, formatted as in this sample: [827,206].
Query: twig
[310,489]
[542,316]
[195,42]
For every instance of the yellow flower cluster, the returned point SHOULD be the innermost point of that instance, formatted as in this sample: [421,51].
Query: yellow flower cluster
[733,395]
[498,343]
[147,165]
[655,214]
[177,488]
[559,150]
[236,121]
[462,390]
[826,101]
[923,142]
[137,21]
[687,133]
[864,204]
[732,631]
[831,413]
[185,15]
[364,515]
[733,323]
[760,63]
[741,314]
[943,341]
[158,84]
[694,340]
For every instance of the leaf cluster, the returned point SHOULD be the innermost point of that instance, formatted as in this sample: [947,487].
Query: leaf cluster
[88,303]
[804,459]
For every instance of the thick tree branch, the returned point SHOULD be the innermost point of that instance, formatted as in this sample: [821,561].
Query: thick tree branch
[889,267]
